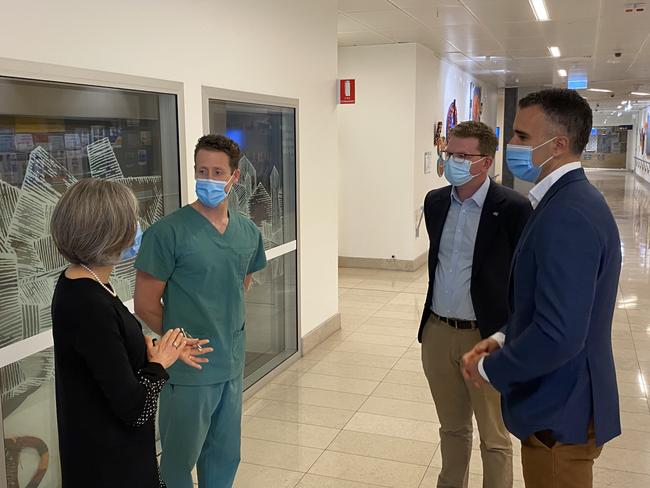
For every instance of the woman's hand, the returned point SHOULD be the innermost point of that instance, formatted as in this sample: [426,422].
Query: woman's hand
[191,351]
[166,350]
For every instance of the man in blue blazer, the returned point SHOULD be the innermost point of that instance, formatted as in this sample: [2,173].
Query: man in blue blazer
[553,362]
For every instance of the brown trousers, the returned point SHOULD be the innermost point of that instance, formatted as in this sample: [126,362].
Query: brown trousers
[442,350]
[550,464]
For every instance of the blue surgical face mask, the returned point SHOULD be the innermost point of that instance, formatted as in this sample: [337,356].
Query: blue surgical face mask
[211,192]
[458,172]
[132,251]
[520,161]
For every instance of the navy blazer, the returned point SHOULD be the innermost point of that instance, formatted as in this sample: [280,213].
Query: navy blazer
[503,218]
[556,369]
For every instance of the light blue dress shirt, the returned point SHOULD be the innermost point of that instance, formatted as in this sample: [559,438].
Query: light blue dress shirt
[452,287]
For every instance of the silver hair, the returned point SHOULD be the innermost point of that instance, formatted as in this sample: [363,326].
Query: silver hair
[94,221]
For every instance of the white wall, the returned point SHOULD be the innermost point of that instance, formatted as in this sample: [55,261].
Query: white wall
[438,84]
[376,152]
[285,48]
[403,90]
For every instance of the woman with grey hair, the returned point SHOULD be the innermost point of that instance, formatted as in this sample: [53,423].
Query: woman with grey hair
[108,375]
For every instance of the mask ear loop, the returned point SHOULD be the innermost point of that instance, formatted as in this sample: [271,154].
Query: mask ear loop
[543,144]
[228,183]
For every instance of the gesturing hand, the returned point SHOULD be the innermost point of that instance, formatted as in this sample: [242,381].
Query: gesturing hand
[166,350]
[471,359]
[469,368]
[189,354]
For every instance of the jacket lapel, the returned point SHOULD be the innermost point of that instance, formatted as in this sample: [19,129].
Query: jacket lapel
[567,179]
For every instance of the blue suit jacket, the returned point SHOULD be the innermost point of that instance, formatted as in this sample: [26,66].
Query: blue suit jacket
[556,369]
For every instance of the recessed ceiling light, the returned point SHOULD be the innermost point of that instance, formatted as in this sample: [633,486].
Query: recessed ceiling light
[640,94]
[555,51]
[562,73]
[540,10]
[599,90]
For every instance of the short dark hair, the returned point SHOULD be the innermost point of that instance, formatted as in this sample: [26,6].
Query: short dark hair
[217,142]
[487,139]
[568,110]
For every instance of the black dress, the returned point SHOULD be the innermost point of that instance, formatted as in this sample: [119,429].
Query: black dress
[106,390]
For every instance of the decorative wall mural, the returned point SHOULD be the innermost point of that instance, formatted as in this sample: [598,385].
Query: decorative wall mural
[475,102]
[437,134]
[452,118]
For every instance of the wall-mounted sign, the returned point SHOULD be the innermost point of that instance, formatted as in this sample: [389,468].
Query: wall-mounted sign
[347,92]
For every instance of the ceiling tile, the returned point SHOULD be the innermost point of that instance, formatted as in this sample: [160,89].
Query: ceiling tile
[411,35]
[567,11]
[347,39]
[424,4]
[526,52]
[481,47]
[565,33]
[364,5]
[495,12]
[463,32]
[439,16]
[346,24]
[515,30]
[395,20]
[628,41]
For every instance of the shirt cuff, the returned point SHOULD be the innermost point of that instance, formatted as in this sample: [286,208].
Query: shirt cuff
[481,369]
[500,337]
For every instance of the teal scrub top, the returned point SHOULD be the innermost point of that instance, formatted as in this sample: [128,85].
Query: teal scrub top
[204,272]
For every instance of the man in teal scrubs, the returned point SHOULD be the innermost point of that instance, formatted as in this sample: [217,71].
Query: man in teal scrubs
[199,261]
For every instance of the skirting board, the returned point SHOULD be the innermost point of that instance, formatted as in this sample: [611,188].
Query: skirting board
[387,264]
[321,333]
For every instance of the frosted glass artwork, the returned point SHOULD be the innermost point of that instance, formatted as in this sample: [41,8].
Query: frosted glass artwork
[263,206]
[29,262]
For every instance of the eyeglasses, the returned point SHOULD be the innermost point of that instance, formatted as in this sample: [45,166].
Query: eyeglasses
[457,157]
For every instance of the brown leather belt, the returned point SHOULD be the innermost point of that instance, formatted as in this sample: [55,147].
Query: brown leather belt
[457,324]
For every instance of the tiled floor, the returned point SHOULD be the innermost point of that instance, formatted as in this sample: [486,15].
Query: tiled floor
[357,413]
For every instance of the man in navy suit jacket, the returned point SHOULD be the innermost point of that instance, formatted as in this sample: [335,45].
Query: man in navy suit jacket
[553,362]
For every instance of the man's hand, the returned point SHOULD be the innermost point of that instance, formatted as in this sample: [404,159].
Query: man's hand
[470,361]
[469,368]
[486,346]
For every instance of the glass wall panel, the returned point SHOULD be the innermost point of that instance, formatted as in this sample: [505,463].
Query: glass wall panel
[271,317]
[29,422]
[52,135]
[266,193]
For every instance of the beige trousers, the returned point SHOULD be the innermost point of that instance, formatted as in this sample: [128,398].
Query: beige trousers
[442,349]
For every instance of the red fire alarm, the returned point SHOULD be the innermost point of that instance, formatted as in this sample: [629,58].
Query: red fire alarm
[347,94]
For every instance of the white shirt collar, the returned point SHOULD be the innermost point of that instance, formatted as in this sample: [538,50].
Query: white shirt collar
[541,189]
[479,195]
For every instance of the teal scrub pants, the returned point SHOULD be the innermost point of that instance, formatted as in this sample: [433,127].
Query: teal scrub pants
[200,425]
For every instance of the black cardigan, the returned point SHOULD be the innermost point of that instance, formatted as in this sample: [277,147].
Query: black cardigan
[106,391]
